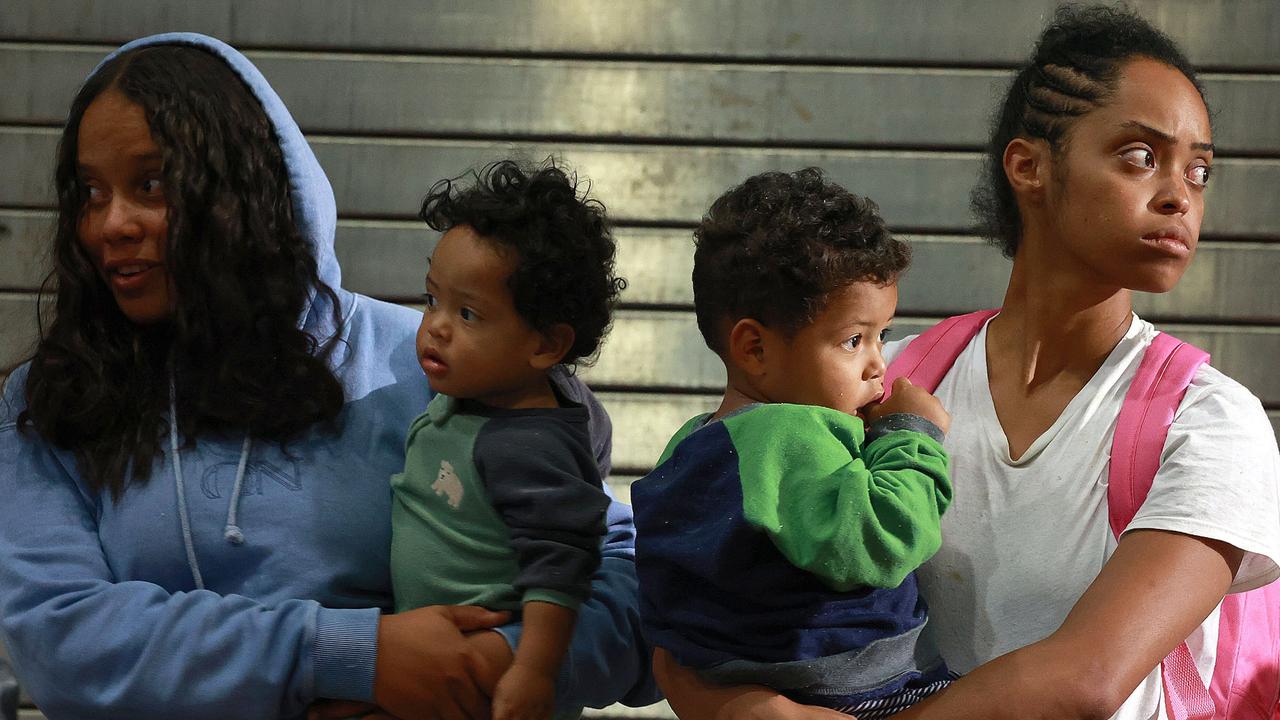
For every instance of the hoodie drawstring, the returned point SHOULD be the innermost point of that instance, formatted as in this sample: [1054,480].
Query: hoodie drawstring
[231,532]
[181,487]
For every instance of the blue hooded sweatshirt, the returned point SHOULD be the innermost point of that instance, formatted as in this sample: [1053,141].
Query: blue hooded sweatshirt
[241,580]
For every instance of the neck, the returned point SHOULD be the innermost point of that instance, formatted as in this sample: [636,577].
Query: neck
[538,394]
[1055,321]
[738,393]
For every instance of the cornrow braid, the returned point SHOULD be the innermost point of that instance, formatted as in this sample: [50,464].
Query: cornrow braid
[1072,72]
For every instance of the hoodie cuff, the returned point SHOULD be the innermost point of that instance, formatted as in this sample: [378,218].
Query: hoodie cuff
[511,633]
[345,653]
[902,421]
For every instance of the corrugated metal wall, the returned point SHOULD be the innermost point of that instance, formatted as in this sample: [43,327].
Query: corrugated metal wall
[664,104]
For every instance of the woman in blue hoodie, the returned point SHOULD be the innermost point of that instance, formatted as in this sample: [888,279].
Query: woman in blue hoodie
[194,463]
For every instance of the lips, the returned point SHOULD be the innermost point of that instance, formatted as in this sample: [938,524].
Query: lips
[131,274]
[1173,240]
[432,363]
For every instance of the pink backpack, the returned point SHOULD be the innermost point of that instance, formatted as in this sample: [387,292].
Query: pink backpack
[1246,676]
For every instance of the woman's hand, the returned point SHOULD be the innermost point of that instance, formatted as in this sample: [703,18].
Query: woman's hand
[425,666]
[495,657]
[693,699]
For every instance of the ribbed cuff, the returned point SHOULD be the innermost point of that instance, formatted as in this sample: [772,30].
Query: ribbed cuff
[511,632]
[903,421]
[345,653]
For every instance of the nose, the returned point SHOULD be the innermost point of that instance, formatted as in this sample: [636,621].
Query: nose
[875,366]
[1173,197]
[120,221]
[436,325]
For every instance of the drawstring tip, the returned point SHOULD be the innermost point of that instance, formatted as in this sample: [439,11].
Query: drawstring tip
[233,535]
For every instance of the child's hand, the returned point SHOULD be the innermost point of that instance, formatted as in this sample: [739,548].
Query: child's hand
[908,398]
[523,693]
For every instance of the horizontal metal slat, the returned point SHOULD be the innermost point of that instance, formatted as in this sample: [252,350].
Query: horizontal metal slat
[1243,34]
[776,105]
[1232,281]
[656,350]
[644,422]
[662,349]
[925,192]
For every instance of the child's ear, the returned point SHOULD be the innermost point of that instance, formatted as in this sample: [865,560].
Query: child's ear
[1027,165]
[555,344]
[747,343]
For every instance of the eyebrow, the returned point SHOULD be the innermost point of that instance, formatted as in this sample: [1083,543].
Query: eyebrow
[1164,136]
[864,323]
[138,157]
[463,294]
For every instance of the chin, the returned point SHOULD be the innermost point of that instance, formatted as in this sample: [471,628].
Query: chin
[145,316]
[1157,283]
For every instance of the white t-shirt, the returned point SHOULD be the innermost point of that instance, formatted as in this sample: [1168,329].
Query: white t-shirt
[1023,540]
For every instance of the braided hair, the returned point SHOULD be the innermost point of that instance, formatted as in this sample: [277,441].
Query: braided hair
[1074,70]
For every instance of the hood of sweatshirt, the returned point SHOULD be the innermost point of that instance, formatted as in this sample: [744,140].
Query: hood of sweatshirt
[274,522]
[315,215]
[314,208]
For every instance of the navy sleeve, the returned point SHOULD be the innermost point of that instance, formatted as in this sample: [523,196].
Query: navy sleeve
[600,427]
[540,473]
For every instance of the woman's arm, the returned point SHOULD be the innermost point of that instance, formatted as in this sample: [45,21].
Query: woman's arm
[693,699]
[1154,591]
[86,645]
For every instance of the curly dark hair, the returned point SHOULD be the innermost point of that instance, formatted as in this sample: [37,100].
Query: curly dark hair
[98,384]
[1073,70]
[774,248]
[562,239]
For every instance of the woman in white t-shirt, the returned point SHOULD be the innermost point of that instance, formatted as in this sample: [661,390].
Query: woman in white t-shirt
[1094,186]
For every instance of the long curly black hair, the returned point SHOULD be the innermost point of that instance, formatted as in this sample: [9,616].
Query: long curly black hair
[98,384]
[562,239]
[1073,70]
[774,248]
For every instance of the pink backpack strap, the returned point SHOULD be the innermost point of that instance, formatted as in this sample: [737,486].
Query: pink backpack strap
[930,356]
[1163,376]
[1153,398]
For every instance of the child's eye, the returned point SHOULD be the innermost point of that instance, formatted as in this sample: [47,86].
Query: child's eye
[1199,175]
[468,314]
[429,300]
[853,342]
[884,334]
[1140,156]
[152,186]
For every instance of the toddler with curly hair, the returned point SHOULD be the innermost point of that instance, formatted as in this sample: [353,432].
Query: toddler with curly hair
[501,503]
[777,539]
